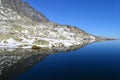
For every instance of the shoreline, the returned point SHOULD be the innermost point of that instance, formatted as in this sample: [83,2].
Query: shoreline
[59,46]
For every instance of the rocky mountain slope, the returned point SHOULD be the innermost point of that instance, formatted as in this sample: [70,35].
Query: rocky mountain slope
[23,8]
[21,26]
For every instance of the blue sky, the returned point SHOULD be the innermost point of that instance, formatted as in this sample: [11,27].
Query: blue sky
[98,17]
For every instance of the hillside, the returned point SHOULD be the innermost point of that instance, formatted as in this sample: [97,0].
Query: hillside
[21,26]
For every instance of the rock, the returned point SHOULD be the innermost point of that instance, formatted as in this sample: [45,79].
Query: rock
[36,47]
[23,8]
[27,27]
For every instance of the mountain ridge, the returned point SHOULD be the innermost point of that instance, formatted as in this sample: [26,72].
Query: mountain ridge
[23,8]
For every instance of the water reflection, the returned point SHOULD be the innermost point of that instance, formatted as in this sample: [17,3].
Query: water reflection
[13,62]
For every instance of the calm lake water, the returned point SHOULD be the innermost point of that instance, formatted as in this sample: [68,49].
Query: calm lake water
[97,61]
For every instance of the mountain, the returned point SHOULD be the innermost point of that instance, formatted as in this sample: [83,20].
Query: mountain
[21,26]
[23,8]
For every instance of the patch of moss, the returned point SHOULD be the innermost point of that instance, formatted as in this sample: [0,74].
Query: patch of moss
[5,37]
[62,37]
[45,49]
[8,36]
[18,28]
[55,30]
[31,32]
[15,37]
[41,42]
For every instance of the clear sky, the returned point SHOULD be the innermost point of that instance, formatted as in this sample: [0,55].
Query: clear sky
[98,17]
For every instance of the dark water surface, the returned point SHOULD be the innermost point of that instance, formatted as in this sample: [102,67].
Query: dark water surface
[97,61]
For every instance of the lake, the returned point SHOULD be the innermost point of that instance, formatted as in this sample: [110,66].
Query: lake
[96,61]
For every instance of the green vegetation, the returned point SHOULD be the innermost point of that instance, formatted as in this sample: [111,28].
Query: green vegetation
[8,36]
[62,37]
[4,37]
[41,42]
[18,28]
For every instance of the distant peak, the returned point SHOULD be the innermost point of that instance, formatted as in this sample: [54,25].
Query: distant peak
[24,9]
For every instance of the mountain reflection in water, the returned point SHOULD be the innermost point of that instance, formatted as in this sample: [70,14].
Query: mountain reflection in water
[14,62]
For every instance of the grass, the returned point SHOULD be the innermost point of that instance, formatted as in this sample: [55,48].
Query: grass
[18,28]
[4,37]
[8,36]
[41,42]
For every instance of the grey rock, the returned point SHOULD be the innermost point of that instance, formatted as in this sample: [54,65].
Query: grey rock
[23,8]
